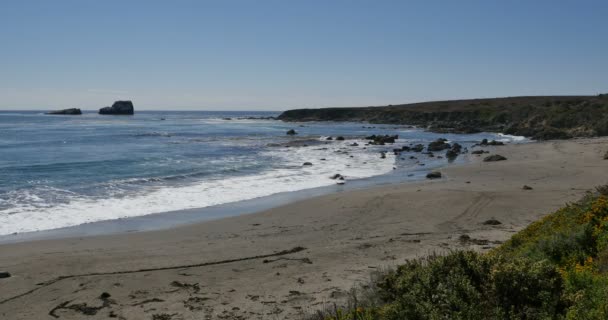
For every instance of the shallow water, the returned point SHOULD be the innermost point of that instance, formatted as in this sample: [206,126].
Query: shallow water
[60,171]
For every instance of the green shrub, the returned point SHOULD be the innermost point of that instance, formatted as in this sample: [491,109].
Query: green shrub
[556,268]
[462,285]
[468,285]
[450,286]
[526,289]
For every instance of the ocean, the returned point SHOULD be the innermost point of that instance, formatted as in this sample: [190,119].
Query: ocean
[59,171]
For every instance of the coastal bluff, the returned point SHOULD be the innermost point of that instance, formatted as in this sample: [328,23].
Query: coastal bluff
[119,107]
[537,117]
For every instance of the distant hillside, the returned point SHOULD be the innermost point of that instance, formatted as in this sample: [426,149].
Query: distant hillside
[539,117]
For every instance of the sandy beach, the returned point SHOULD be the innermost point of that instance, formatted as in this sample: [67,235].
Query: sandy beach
[290,260]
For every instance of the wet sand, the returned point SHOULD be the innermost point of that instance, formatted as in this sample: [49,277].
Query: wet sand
[286,261]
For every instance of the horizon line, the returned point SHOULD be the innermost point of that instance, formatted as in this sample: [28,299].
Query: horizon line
[317,107]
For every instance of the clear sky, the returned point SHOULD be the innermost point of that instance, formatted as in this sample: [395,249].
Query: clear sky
[276,55]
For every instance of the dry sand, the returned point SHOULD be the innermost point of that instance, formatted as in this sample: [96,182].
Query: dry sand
[216,270]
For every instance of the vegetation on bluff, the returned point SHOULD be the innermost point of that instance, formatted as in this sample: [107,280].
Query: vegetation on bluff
[552,117]
[556,268]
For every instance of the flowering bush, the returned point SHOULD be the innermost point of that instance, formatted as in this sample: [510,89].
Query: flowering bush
[556,268]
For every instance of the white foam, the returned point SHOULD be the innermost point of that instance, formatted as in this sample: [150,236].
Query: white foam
[511,138]
[290,175]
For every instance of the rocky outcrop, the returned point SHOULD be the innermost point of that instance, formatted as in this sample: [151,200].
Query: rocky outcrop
[485,142]
[548,117]
[433,175]
[492,222]
[418,148]
[479,152]
[257,118]
[70,111]
[438,145]
[292,132]
[454,151]
[494,157]
[381,140]
[4,274]
[119,108]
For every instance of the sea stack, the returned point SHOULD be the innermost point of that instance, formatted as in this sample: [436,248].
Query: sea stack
[71,111]
[119,107]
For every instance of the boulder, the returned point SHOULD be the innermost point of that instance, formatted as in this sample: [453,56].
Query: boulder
[307,164]
[433,175]
[479,152]
[354,144]
[492,222]
[454,151]
[438,145]
[4,274]
[606,156]
[119,107]
[381,140]
[340,138]
[291,132]
[71,111]
[451,154]
[494,157]
[526,187]
[457,147]
[329,138]
[485,142]
[496,143]
[417,148]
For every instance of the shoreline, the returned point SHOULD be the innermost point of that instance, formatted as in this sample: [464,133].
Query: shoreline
[178,218]
[242,267]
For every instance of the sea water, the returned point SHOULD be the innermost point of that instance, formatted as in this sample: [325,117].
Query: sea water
[58,171]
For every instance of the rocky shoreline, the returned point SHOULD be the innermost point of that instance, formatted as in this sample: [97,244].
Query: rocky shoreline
[289,261]
[405,152]
[540,117]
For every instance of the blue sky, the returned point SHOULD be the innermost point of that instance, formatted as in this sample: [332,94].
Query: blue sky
[276,55]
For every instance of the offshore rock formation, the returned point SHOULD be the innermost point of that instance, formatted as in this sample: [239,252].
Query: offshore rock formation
[119,107]
[70,111]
